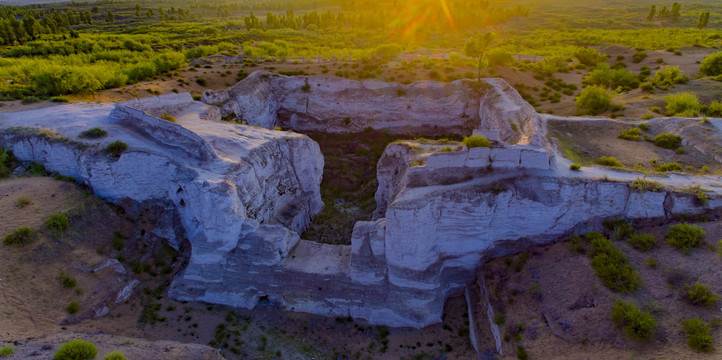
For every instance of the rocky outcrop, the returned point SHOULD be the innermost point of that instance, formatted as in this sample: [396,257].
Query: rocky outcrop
[218,182]
[333,104]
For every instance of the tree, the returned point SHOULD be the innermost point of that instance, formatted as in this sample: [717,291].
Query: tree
[703,20]
[652,11]
[476,48]
[110,17]
[675,13]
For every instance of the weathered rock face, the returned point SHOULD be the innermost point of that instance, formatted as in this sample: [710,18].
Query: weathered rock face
[218,181]
[333,104]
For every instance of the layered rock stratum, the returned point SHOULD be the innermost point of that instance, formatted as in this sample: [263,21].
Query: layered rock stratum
[241,194]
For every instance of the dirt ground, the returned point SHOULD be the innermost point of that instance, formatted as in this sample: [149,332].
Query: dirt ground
[577,304]
[585,141]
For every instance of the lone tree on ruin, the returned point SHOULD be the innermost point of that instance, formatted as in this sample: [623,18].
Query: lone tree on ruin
[476,48]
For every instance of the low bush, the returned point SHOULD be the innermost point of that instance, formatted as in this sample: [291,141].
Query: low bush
[701,294]
[475,141]
[683,104]
[667,141]
[58,223]
[116,148]
[7,162]
[632,134]
[593,100]
[19,236]
[575,167]
[72,308]
[643,185]
[699,335]
[711,65]
[642,241]
[672,166]
[637,324]
[76,350]
[36,169]
[619,228]
[609,161]
[685,236]
[639,56]
[589,56]
[115,355]
[521,353]
[168,117]
[667,76]
[7,350]
[67,280]
[117,242]
[610,264]
[306,87]
[93,133]
[201,81]
[714,109]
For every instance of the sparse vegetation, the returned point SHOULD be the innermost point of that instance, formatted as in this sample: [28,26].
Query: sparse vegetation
[667,167]
[642,241]
[93,133]
[76,350]
[115,355]
[610,264]
[702,294]
[575,167]
[637,324]
[711,65]
[667,141]
[7,162]
[67,281]
[593,100]
[7,350]
[685,236]
[475,141]
[22,202]
[72,308]
[19,236]
[168,117]
[609,161]
[699,335]
[116,148]
[642,185]
[57,223]
[632,134]
[682,104]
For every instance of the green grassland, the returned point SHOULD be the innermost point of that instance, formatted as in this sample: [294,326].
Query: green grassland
[69,48]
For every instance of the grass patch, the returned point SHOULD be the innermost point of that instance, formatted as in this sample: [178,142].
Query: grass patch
[637,324]
[699,335]
[609,161]
[116,148]
[93,133]
[76,350]
[685,236]
[19,236]
[475,141]
[611,265]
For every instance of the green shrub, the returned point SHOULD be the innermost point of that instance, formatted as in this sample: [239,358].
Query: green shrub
[620,228]
[672,166]
[610,264]
[76,350]
[499,319]
[667,141]
[593,100]
[637,324]
[93,133]
[711,65]
[201,81]
[639,56]
[685,236]
[117,242]
[699,335]
[609,161]
[714,109]
[57,222]
[115,355]
[589,56]
[667,76]
[475,141]
[19,236]
[619,79]
[116,148]
[168,117]
[643,185]
[72,308]
[36,169]
[701,294]
[575,167]
[306,87]
[632,134]
[67,281]
[7,162]
[683,104]
[7,350]
[642,241]
[521,353]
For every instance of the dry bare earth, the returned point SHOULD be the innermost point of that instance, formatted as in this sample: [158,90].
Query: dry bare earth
[576,304]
